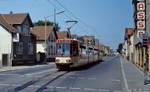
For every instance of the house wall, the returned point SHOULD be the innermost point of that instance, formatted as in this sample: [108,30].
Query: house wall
[148,29]
[27,45]
[51,46]
[5,45]
[40,45]
[126,48]
[27,40]
[131,48]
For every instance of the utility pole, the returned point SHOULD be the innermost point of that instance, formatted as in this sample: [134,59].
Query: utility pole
[54,17]
[45,37]
[45,18]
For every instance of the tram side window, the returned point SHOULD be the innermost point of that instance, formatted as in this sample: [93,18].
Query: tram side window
[74,50]
[83,51]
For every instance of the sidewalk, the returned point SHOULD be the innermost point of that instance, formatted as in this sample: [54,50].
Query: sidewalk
[134,77]
[24,67]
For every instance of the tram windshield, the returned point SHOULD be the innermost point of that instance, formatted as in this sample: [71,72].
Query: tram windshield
[63,49]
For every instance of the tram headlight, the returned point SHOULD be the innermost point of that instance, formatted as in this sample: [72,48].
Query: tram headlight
[68,60]
[57,60]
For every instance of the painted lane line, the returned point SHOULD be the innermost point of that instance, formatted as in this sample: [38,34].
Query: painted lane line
[89,89]
[11,74]
[104,90]
[116,80]
[44,71]
[61,87]
[4,84]
[117,91]
[92,78]
[75,88]
[14,85]
[124,76]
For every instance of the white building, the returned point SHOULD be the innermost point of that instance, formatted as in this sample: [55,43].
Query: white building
[8,35]
[49,47]
[24,50]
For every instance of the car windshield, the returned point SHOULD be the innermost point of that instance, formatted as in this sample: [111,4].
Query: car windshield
[63,49]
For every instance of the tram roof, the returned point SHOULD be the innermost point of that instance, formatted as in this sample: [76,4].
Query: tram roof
[66,40]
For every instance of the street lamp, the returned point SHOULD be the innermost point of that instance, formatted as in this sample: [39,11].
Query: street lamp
[45,18]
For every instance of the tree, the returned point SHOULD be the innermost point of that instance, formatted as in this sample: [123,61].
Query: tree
[120,47]
[48,23]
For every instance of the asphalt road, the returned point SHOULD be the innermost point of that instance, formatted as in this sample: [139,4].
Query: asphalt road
[101,77]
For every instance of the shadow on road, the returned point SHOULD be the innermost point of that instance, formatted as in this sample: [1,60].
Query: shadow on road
[85,67]
[19,88]
[43,87]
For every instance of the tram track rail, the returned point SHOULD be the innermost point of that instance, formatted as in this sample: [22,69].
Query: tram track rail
[53,75]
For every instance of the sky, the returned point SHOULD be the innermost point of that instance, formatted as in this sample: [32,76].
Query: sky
[104,19]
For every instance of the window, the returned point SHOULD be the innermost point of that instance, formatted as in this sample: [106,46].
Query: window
[19,28]
[74,49]
[30,48]
[19,48]
[63,49]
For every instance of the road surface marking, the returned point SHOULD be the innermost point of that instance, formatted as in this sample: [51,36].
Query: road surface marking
[44,71]
[117,91]
[14,85]
[4,84]
[11,74]
[75,88]
[82,78]
[89,89]
[124,76]
[61,87]
[116,80]
[104,90]
[74,74]
[92,78]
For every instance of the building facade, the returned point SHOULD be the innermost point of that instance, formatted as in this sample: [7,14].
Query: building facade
[9,35]
[128,44]
[23,51]
[142,31]
[45,41]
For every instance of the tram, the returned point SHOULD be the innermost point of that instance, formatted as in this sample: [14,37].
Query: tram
[73,53]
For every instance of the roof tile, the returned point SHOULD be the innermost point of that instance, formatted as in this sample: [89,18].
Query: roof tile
[8,26]
[39,31]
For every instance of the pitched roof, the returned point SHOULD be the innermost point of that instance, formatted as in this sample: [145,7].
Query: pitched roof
[18,18]
[128,32]
[88,38]
[39,31]
[8,26]
[62,34]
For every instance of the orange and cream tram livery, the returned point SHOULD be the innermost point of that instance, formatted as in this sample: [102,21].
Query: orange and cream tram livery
[73,53]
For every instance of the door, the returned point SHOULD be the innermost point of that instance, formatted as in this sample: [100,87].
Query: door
[4,59]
